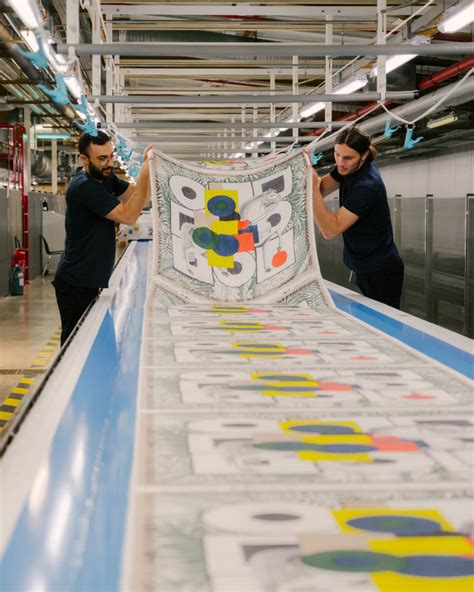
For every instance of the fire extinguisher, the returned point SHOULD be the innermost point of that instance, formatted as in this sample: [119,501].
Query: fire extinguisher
[17,271]
[19,255]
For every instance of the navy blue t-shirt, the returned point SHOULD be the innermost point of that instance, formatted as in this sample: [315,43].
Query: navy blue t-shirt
[89,253]
[368,244]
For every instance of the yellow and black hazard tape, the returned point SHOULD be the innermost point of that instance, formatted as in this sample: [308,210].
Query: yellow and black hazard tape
[11,404]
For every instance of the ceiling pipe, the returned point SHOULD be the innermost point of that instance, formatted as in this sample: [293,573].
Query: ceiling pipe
[245,99]
[428,82]
[446,73]
[463,92]
[196,49]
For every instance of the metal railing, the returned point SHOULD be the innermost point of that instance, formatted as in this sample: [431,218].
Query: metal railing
[435,236]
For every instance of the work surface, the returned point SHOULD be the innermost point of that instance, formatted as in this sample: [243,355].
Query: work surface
[247,448]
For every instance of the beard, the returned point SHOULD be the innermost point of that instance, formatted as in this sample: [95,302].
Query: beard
[100,174]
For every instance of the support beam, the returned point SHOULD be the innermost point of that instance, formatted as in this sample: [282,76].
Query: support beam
[187,125]
[239,99]
[54,166]
[197,49]
[241,9]
[223,139]
[72,21]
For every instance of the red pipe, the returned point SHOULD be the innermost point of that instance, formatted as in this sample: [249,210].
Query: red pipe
[446,73]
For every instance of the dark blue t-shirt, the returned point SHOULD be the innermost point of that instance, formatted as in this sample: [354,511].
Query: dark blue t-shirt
[89,253]
[368,244]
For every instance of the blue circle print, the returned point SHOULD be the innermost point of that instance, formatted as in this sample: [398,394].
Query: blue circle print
[221,205]
[398,525]
[226,245]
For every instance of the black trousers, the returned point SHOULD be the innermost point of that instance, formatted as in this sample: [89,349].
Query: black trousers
[384,286]
[72,303]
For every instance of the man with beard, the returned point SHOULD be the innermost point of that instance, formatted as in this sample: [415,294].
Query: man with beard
[93,207]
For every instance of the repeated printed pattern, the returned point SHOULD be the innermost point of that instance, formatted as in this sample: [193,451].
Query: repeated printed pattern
[285,447]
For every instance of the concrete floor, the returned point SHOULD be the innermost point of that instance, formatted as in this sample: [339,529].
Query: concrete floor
[29,342]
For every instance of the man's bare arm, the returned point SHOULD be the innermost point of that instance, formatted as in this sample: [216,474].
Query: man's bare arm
[138,197]
[328,185]
[331,224]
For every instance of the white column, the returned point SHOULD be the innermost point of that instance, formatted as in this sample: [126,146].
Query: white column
[328,72]
[96,59]
[272,109]
[295,88]
[54,166]
[72,22]
[27,146]
[381,39]
[109,66]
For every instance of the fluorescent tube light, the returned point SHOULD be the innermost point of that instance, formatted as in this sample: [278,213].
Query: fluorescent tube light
[351,86]
[73,85]
[28,12]
[395,62]
[312,109]
[457,17]
[53,136]
[444,120]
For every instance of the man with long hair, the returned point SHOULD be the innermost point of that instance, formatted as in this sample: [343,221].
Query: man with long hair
[363,217]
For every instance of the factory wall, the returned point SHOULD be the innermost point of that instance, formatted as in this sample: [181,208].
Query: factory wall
[448,175]
[11,225]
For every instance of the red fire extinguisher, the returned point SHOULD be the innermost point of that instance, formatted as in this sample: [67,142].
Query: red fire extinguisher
[19,255]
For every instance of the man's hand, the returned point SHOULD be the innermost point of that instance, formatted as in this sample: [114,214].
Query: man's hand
[147,151]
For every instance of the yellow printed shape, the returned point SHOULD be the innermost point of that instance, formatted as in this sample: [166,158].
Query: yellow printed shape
[215,260]
[5,414]
[321,456]
[247,328]
[287,425]
[230,227]
[314,456]
[263,376]
[228,309]
[210,193]
[423,545]
[407,546]
[271,346]
[270,393]
[343,516]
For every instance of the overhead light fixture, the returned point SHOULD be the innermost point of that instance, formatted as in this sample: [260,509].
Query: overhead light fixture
[73,85]
[349,86]
[53,136]
[28,12]
[450,117]
[457,17]
[395,62]
[311,109]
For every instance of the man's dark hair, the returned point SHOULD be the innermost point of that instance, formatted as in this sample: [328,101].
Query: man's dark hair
[357,139]
[86,140]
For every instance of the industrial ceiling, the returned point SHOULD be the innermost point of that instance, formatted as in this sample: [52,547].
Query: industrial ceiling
[223,79]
